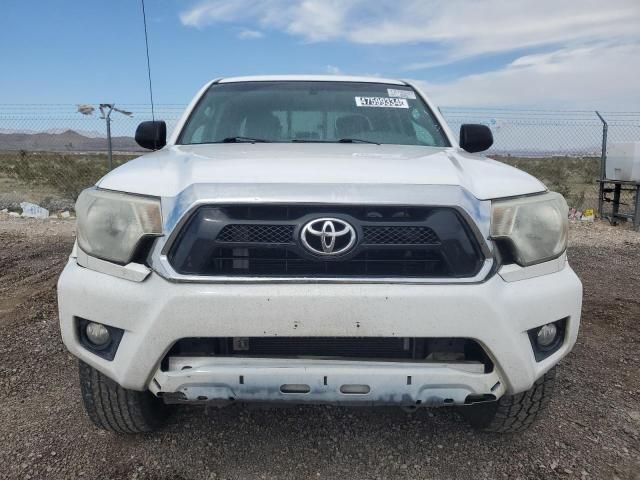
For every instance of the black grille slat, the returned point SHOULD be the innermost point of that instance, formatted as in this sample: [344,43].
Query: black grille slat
[256,233]
[399,235]
[354,347]
[391,349]
[262,241]
[372,235]
[268,261]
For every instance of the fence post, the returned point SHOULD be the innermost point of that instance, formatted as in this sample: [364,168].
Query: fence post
[603,162]
[110,153]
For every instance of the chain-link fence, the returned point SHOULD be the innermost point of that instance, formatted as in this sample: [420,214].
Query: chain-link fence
[564,149]
[619,127]
[49,153]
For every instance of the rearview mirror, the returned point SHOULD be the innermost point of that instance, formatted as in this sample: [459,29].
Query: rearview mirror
[152,135]
[475,137]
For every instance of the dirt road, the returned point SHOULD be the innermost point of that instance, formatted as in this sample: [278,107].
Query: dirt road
[591,431]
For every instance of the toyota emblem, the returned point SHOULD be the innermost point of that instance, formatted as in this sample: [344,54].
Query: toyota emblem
[328,236]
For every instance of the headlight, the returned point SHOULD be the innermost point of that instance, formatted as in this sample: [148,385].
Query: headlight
[111,224]
[533,228]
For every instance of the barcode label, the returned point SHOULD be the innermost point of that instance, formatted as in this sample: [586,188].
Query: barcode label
[383,102]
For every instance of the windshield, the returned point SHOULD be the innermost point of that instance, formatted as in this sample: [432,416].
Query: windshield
[312,112]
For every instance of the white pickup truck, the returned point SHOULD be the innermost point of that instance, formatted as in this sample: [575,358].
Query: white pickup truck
[318,240]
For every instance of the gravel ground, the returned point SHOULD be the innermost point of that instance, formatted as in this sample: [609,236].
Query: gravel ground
[591,431]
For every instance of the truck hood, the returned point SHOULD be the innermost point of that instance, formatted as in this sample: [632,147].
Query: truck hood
[169,171]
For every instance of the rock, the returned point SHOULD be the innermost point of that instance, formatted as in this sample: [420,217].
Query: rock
[32,210]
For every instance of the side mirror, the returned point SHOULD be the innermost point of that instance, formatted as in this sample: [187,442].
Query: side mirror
[152,135]
[475,137]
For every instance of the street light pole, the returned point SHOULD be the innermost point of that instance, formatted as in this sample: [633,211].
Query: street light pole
[105,113]
[110,107]
[109,146]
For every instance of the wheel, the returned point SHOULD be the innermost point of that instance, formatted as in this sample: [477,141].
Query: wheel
[116,409]
[512,413]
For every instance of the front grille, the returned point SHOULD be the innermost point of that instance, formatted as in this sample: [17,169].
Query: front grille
[264,241]
[256,233]
[283,234]
[392,235]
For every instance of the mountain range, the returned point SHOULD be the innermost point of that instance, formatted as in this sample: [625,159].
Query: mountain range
[63,141]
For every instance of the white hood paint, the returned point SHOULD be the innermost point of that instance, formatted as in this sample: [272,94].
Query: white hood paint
[169,171]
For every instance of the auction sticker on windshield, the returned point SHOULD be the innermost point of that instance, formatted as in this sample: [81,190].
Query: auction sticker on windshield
[381,102]
[393,92]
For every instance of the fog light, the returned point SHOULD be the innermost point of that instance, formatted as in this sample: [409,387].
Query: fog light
[547,335]
[97,334]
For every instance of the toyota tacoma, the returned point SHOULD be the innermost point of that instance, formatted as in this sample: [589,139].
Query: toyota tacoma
[317,240]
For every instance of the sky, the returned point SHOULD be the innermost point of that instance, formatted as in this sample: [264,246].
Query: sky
[560,54]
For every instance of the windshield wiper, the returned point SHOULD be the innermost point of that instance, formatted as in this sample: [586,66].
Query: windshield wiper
[356,140]
[244,140]
[342,140]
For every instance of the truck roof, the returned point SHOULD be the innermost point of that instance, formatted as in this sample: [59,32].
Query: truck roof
[311,78]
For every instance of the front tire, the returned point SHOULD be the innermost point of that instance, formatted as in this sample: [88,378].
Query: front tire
[116,409]
[513,413]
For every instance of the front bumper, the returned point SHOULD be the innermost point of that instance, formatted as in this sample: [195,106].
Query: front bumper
[225,380]
[156,313]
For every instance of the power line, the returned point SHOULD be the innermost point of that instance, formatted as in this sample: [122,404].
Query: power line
[146,41]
